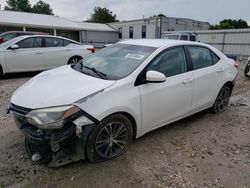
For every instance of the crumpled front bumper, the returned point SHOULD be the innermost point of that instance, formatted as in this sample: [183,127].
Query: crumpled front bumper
[56,147]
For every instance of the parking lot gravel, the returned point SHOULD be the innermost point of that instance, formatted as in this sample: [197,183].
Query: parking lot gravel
[204,150]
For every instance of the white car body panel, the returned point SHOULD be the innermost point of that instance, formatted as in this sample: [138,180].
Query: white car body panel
[151,105]
[55,91]
[37,59]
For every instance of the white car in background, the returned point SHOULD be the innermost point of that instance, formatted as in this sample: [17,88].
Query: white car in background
[40,52]
[93,109]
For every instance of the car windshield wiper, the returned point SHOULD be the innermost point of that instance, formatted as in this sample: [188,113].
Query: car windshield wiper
[99,73]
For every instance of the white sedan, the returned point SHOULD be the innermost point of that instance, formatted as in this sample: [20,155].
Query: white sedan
[94,109]
[40,52]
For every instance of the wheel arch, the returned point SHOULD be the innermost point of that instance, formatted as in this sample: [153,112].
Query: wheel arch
[131,118]
[230,84]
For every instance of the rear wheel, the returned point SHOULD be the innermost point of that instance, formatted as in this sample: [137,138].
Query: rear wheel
[222,100]
[246,71]
[74,60]
[110,139]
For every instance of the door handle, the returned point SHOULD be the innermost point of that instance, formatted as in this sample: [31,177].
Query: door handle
[220,70]
[38,53]
[190,80]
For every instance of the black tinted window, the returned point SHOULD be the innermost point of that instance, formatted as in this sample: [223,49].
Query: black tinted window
[171,62]
[54,42]
[184,37]
[200,57]
[30,43]
[192,38]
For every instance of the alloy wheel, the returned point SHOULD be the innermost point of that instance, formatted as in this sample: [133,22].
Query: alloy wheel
[111,140]
[223,99]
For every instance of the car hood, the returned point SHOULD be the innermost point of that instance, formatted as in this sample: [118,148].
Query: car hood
[60,86]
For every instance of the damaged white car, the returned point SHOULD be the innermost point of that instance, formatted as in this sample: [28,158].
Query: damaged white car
[93,109]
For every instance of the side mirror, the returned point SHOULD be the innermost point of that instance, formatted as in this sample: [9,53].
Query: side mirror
[155,77]
[14,47]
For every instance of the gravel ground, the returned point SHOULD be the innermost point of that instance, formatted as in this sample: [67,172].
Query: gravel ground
[204,150]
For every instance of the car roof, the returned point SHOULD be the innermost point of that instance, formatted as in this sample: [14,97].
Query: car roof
[25,32]
[51,36]
[158,42]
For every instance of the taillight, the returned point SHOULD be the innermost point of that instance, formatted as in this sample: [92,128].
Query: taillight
[1,40]
[237,66]
[91,49]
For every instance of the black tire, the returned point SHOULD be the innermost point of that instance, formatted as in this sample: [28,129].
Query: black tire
[1,72]
[109,139]
[74,60]
[222,100]
[246,71]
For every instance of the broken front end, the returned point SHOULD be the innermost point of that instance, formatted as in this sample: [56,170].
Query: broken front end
[55,136]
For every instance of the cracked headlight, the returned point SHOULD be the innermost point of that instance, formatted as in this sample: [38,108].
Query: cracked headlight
[51,118]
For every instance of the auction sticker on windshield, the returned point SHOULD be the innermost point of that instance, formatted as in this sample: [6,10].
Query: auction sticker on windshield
[135,56]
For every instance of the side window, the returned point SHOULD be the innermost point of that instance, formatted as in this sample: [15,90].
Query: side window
[215,58]
[171,62]
[192,38]
[66,42]
[200,56]
[53,42]
[37,43]
[184,37]
[26,43]
[30,43]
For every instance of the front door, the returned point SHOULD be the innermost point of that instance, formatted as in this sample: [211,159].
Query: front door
[170,100]
[28,57]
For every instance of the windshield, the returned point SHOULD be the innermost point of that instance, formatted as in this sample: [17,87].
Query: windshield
[115,62]
[173,37]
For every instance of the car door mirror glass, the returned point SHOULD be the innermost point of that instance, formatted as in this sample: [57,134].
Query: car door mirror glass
[155,77]
[14,47]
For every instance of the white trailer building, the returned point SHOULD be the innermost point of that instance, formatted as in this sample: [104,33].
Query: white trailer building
[86,33]
[155,26]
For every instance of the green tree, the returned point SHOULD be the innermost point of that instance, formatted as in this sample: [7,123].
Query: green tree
[230,24]
[102,15]
[159,15]
[42,8]
[18,5]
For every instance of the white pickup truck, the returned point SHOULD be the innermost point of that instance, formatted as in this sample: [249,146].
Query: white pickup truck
[189,36]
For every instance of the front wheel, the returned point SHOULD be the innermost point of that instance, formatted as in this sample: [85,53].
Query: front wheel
[222,100]
[246,71]
[109,139]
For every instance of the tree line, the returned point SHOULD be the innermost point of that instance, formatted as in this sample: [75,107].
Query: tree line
[104,15]
[24,6]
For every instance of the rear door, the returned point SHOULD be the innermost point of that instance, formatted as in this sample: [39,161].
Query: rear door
[29,56]
[208,74]
[170,100]
[57,52]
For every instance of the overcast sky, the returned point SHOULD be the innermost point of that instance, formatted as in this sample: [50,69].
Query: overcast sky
[204,10]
